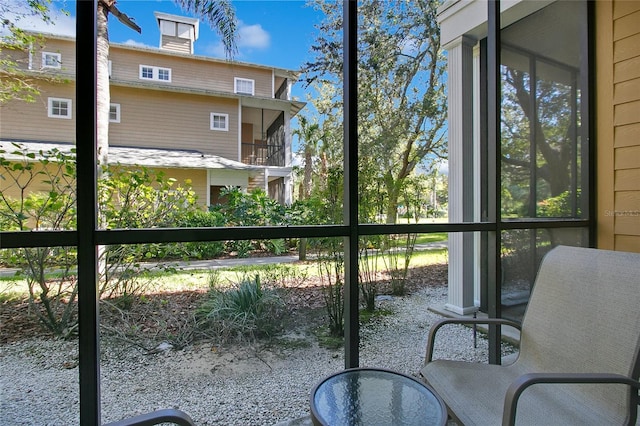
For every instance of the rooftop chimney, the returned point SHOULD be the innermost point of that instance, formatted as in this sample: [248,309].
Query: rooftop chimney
[177,33]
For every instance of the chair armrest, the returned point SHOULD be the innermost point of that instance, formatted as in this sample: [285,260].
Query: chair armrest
[160,416]
[438,324]
[523,382]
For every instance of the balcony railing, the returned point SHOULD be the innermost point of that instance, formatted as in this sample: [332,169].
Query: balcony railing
[263,154]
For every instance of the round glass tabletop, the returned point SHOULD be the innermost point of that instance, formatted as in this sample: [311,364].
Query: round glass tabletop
[371,396]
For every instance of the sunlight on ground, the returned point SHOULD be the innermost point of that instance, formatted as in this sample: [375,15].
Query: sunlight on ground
[174,279]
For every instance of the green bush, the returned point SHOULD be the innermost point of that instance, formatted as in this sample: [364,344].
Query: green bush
[51,300]
[138,198]
[246,310]
[559,206]
[254,208]
[200,250]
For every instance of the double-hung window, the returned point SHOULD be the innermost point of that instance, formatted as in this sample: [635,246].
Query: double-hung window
[164,74]
[114,113]
[51,60]
[244,86]
[59,108]
[219,121]
[148,72]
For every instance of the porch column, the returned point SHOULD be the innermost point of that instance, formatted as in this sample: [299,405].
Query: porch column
[461,173]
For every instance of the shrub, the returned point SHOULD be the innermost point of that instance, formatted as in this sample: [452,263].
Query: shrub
[137,198]
[331,266]
[52,301]
[254,208]
[245,310]
[200,250]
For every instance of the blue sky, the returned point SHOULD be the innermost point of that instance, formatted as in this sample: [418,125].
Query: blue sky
[271,32]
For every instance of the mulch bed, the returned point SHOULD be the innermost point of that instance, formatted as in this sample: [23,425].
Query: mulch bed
[154,316]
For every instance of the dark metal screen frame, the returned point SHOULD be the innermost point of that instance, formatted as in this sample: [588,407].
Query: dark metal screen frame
[88,237]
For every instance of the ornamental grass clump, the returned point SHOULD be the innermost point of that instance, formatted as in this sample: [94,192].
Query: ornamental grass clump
[243,311]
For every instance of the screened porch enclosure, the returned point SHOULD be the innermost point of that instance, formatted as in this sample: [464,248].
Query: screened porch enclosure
[510,201]
[263,137]
[544,134]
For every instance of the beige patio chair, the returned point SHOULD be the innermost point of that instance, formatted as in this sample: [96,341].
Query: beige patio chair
[579,350]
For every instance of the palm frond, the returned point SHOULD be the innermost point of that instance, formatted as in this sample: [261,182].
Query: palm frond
[221,17]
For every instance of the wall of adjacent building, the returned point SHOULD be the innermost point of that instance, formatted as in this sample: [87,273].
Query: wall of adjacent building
[171,120]
[189,71]
[148,118]
[618,124]
[30,121]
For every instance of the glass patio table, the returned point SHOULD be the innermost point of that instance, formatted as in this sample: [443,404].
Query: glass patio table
[374,396]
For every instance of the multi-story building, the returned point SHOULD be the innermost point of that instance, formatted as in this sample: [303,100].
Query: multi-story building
[214,122]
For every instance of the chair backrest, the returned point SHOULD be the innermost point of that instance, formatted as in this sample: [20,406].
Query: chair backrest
[584,314]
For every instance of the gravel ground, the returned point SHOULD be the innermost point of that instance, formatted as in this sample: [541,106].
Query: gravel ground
[240,385]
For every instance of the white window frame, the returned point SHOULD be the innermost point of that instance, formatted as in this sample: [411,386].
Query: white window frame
[57,58]
[116,108]
[219,115]
[155,73]
[50,108]
[237,80]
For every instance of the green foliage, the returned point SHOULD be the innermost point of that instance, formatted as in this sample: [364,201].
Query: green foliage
[276,246]
[200,250]
[368,270]
[52,301]
[142,198]
[550,158]
[401,98]
[559,206]
[398,253]
[254,208]
[242,248]
[245,310]
[138,198]
[16,45]
[283,275]
[52,208]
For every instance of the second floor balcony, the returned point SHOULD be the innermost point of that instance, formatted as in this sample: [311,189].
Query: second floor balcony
[263,137]
[263,154]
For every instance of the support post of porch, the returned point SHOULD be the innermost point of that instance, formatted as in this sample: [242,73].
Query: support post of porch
[461,174]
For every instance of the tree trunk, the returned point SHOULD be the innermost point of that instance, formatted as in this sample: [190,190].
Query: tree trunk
[392,205]
[308,160]
[103,101]
[302,249]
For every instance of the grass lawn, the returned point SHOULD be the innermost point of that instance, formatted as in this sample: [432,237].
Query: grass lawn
[432,238]
[15,288]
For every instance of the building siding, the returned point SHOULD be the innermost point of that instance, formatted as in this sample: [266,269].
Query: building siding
[180,121]
[30,120]
[173,114]
[189,72]
[618,124]
[67,50]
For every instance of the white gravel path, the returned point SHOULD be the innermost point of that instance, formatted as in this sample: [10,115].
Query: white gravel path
[215,386]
